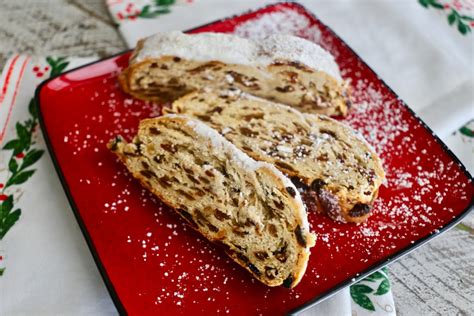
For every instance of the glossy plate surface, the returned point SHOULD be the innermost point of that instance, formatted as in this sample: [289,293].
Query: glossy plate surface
[153,264]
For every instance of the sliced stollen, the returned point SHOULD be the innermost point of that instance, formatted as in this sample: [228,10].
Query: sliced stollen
[283,68]
[249,207]
[339,167]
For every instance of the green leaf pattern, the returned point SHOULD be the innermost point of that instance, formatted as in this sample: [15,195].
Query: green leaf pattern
[149,11]
[462,22]
[375,284]
[383,288]
[23,156]
[466,130]
[359,295]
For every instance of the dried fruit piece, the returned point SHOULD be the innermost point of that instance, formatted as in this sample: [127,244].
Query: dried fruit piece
[360,210]
[299,236]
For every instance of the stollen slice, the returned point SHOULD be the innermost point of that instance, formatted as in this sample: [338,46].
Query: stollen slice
[284,68]
[340,170]
[248,207]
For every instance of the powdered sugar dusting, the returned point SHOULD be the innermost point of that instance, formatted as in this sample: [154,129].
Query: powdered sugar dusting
[221,144]
[236,50]
[283,21]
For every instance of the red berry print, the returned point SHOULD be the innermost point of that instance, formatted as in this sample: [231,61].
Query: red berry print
[1,185]
[129,8]
[458,5]
[113,2]
[132,12]
[3,197]
[20,155]
[40,72]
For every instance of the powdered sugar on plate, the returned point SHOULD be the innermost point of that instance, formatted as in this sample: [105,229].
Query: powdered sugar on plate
[283,21]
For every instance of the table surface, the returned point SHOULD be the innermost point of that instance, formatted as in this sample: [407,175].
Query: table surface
[437,279]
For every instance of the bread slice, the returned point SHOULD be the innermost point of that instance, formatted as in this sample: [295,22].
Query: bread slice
[249,207]
[338,165]
[283,68]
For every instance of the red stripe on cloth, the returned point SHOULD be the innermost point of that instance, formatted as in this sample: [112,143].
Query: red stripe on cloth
[7,79]
[22,71]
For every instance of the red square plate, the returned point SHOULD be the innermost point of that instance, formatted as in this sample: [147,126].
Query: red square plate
[154,265]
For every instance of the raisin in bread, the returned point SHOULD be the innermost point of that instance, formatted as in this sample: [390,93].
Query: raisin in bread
[249,207]
[283,68]
[325,155]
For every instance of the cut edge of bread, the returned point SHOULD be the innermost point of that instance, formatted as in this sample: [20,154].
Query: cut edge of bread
[315,118]
[117,145]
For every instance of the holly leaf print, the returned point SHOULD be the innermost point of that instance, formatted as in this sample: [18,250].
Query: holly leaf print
[16,144]
[463,28]
[452,18]
[11,144]
[164,2]
[59,69]
[22,132]
[424,3]
[147,13]
[6,207]
[32,108]
[7,219]
[19,178]
[466,131]
[31,157]
[359,295]
[8,222]
[374,276]
[383,288]
[435,4]
[13,165]
[51,61]
[1,271]
[57,65]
